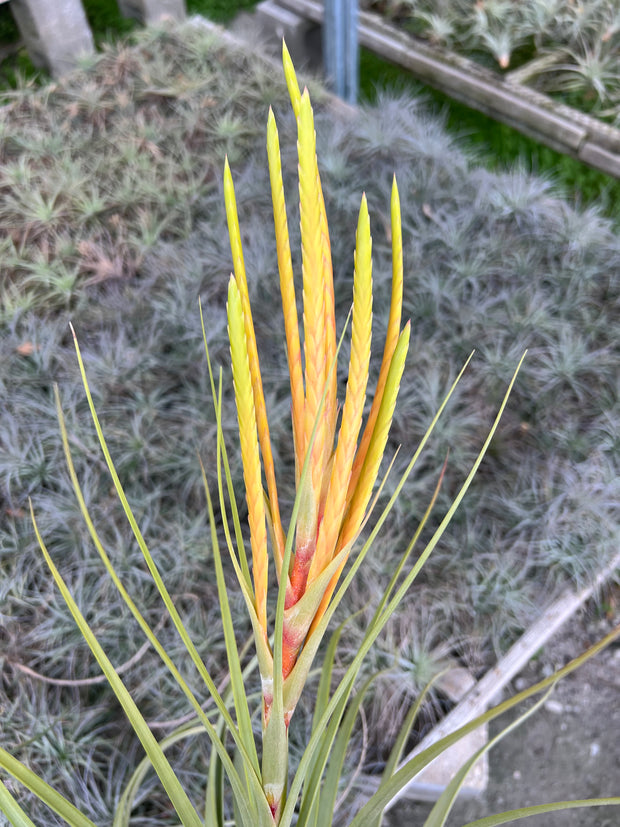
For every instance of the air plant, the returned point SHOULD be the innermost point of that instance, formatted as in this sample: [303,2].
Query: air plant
[438,29]
[337,465]
[591,70]
[581,36]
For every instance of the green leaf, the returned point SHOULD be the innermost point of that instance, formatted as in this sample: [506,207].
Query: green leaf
[314,790]
[216,741]
[243,562]
[311,646]
[122,816]
[168,602]
[542,809]
[157,578]
[404,732]
[242,711]
[9,806]
[308,810]
[275,756]
[265,658]
[337,754]
[412,544]
[325,682]
[432,543]
[377,803]
[445,802]
[178,797]
[257,784]
[214,798]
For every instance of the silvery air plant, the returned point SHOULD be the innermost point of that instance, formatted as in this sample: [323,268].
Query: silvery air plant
[338,456]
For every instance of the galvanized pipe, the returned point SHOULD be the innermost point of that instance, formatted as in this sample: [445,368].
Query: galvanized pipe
[340,47]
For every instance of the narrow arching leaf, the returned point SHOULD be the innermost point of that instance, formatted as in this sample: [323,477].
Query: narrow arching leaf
[445,802]
[308,810]
[12,810]
[338,752]
[161,587]
[542,809]
[404,732]
[178,797]
[232,729]
[313,782]
[322,694]
[129,602]
[242,711]
[377,803]
[375,628]
[245,580]
[122,815]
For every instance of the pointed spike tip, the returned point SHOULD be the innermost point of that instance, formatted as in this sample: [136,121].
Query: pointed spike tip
[291,79]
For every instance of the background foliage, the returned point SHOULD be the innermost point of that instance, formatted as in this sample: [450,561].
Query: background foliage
[112,216]
[571,49]
[498,146]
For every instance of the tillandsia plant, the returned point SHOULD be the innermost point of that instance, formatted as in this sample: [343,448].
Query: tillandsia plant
[248,781]
[335,477]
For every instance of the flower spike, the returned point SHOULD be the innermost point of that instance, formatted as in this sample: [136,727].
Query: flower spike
[354,400]
[249,448]
[287,288]
[335,487]
[257,384]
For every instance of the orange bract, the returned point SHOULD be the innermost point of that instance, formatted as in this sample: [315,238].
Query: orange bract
[335,491]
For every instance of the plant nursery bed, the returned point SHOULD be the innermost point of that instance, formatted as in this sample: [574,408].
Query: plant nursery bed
[113,218]
[561,127]
[568,50]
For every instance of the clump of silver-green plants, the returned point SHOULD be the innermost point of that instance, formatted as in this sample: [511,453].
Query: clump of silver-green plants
[571,47]
[337,462]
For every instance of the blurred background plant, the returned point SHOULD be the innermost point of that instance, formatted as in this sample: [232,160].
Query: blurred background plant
[572,48]
[112,216]
[498,145]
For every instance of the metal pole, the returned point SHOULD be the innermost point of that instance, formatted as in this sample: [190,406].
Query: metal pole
[340,47]
[329,42]
[351,53]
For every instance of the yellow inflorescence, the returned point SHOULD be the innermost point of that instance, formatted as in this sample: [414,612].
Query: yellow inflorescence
[342,471]
[244,397]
